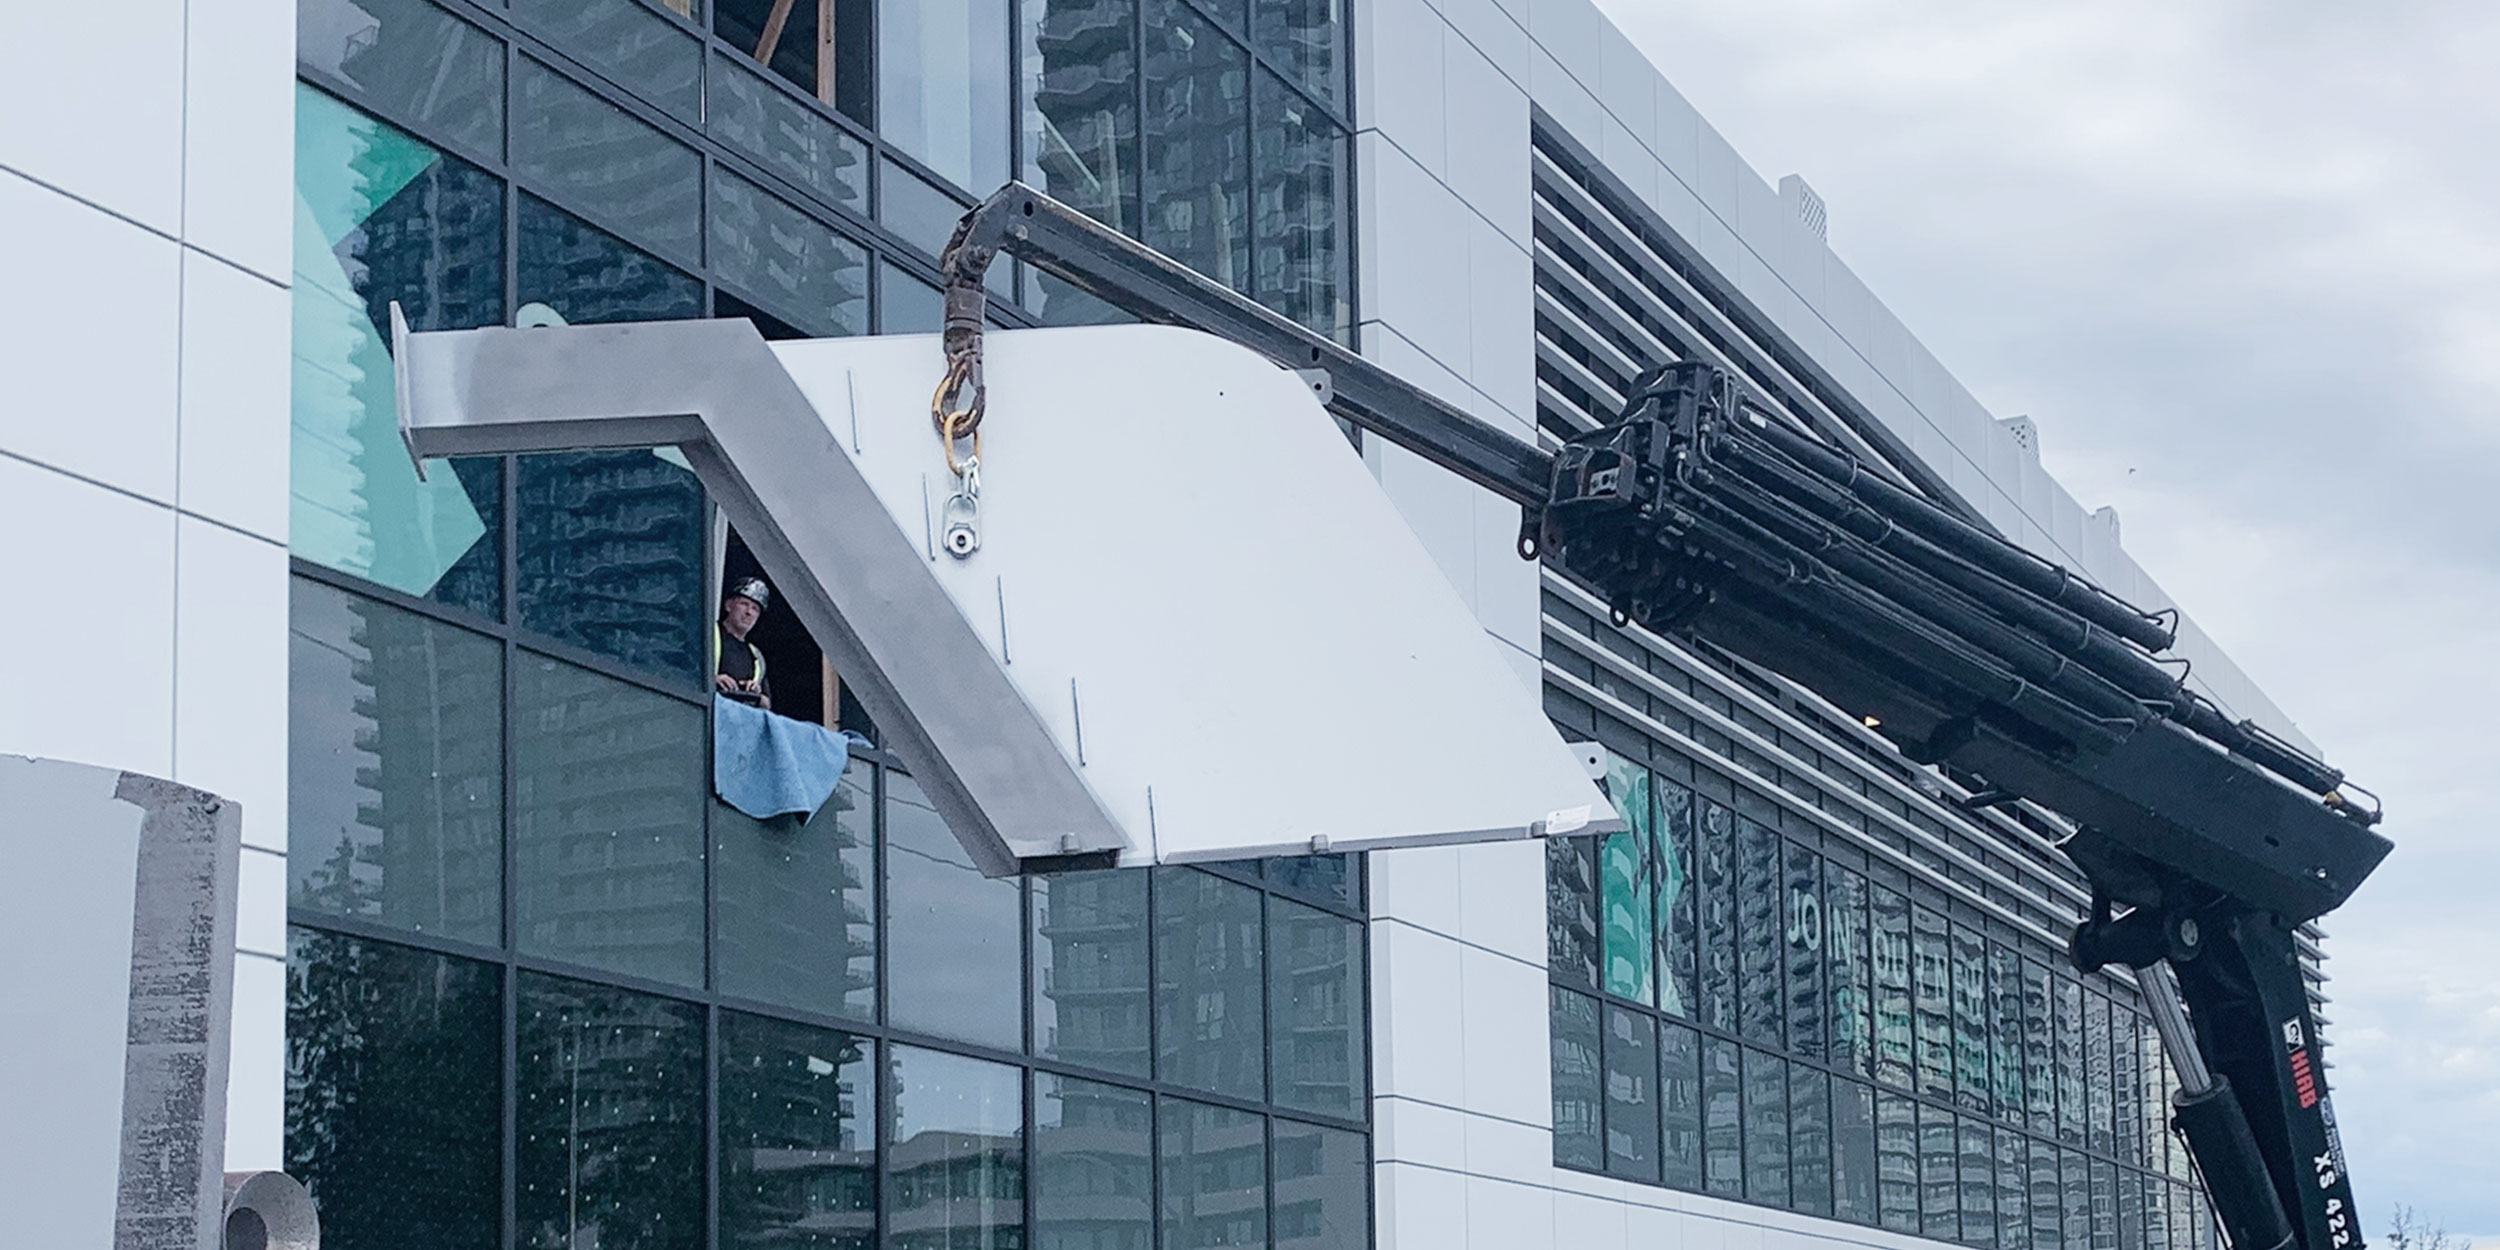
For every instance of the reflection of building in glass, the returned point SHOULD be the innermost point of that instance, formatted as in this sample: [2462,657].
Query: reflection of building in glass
[610,1113]
[955,1191]
[1081,64]
[1094,974]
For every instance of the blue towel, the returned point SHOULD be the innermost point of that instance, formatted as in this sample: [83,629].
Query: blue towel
[767,765]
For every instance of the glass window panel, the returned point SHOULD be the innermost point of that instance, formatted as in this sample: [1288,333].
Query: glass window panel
[798,56]
[2006,1032]
[2130,1202]
[586,275]
[1722,1118]
[787,261]
[2013,1174]
[955,1152]
[624,39]
[1209,1029]
[1089,970]
[1970,1019]
[1809,1140]
[2070,1096]
[381,217]
[394,767]
[1804,908]
[1631,1065]
[607,823]
[1931,983]
[1315,1010]
[610,1105]
[1674,867]
[1197,140]
[1306,38]
[909,206]
[394,1105]
[1979,1188]
[1578,1082]
[1627,893]
[2157,1215]
[1853,1152]
[2076,1173]
[942,77]
[1213,1163]
[1717,906]
[2126,1050]
[610,549]
[796,919]
[1897,1160]
[595,156]
[1093,1162]
[1079,106]
[954,938]
[1303,189]
[2039,1048]
[1571,934]
[1336,878]
[785,134]
[1893,1015]
[1679,1101]
[1939,1180]
[1766,1128]
[1852,972]
[411,60]
[1323,1189]
[905,304]
[2104,1198]
[2048,1228]
[798,1146]
[2097,1085]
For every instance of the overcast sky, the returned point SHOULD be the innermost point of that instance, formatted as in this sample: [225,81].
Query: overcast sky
[2241,261]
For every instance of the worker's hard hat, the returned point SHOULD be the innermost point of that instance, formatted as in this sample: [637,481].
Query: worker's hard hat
[752,588]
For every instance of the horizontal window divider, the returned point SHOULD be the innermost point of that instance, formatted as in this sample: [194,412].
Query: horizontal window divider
[425,132]
[445,613]
[368,930]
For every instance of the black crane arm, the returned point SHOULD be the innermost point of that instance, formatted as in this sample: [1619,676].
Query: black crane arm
[1692,513]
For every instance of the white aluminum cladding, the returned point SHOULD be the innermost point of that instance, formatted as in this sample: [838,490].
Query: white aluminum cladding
[1193,629]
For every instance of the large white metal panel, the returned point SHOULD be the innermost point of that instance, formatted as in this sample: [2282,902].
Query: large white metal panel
[1197,588]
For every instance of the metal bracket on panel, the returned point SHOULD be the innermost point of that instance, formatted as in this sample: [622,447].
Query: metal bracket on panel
[1317,380]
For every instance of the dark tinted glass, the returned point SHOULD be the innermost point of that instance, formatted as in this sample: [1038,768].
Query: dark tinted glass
[786,134]
[909,206]
[1093,1164]
[1970,1019]
[611,1118]
[1213,1162]
[1679,1101]
[905,304]
[1851,971]
[1896,1161]
[1323,1194]
[1853,1152]
[1210,1031]
[1894,1050]
[607,823]
[1809,1140]
[393,1115]
[1939,1178]
[610,550]
[1079,106]
[1766,1128]
[1979,1189]
[1571,941]
[412,60]
[1335,878]
[1090,993]
[2006,1032]
[836,67]
[955,1152]
[1761,929]
[1631,1067]
[1306,38]
[595,156]
[1578,1082]
[630,43]
[2071,1119]
[1722,1118]
[586,275]
[1804,945]
[954,937]
[1931,985]
[394,767]
[798,1147]
[1676,941]
[796,920]
[2039,1048]
[1716,903]
[1197,145]
[1627,894]
[786,261]
[1315,1009]
[1302,193]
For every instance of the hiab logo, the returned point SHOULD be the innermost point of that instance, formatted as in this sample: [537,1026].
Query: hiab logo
[2304,1081]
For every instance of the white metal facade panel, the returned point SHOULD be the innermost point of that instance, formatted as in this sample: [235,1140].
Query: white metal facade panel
[1197,587]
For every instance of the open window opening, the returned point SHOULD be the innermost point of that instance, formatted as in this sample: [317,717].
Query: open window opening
[820,46]
[801,683]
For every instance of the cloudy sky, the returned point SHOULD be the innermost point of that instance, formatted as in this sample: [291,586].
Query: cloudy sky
[2241,260]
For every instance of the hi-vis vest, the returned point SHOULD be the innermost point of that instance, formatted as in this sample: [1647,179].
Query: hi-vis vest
[759,656]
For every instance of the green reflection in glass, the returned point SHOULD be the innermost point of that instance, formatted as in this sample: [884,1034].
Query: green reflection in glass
[1624,881]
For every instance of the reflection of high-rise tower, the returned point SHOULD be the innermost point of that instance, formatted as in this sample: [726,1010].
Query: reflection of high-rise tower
[1094,977]
[1316,1060]
[1082,60]
[610,557]
[610,1114]
[437,799]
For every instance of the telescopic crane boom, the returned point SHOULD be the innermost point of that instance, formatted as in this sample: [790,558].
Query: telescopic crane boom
[1695,513]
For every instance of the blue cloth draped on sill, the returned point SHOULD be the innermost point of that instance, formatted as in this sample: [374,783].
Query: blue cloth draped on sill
[767,765]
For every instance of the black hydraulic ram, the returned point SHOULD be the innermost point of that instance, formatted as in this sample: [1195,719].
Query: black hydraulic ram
[1694,514]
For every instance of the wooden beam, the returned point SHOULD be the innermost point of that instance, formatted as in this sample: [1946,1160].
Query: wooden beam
[824,50]
[832,689]
[771,40]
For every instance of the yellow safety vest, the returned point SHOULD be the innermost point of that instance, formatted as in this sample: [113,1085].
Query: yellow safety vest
[759,656]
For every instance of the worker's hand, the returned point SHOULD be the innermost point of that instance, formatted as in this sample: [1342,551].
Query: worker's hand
[724,683]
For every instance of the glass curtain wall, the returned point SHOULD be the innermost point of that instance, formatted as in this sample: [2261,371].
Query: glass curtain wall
[543,989]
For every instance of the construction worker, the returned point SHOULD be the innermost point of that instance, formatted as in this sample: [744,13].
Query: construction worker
[737,666]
